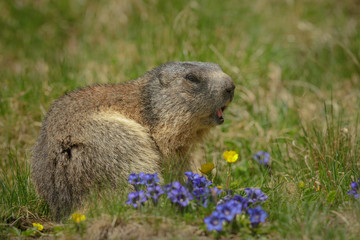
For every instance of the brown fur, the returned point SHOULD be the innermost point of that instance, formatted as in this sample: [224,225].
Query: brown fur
[101,134]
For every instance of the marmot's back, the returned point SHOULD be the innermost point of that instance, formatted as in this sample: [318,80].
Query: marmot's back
[98,135]
[68,112]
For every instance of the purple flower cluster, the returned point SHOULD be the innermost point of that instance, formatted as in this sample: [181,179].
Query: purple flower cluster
[196,181]
[231,206]
[263,158]
[141,180]
[178,194]
[257,215]
[225,212]
[214,221]
[136,198]
[154,192]
[355,189]
[255,195]
[198,190]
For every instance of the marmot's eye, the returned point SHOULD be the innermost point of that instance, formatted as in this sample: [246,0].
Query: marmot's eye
[192,77]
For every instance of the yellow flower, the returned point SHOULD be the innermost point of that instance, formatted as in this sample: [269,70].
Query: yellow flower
[78,217]
[230,156]
[38,226]
[206,168]
[219,187]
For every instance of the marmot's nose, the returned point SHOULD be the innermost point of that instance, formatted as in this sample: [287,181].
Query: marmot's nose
[230,88]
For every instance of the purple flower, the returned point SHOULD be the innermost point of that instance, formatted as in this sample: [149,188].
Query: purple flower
[262,157]
[241,200]
[199,188]
[255,195]
[229,210]
[191,176]
[172,186]
[194,180]
[257,215]
[136,179]
[201,196]
[355,189]
[154,192]
[214,221]
[143,179]
[180,196]
[136,198]
[150,179]
[238,207]
[201,182]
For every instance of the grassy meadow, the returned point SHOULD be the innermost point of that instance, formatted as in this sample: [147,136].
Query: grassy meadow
[296,66]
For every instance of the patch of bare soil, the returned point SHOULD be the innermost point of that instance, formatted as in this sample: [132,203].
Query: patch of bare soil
[147,228]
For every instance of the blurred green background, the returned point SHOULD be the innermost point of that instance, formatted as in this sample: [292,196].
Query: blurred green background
[296,65]
[282,51]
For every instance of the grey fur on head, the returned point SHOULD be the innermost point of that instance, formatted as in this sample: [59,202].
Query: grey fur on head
[98,135]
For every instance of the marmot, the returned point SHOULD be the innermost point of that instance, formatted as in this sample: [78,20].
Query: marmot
[103,133]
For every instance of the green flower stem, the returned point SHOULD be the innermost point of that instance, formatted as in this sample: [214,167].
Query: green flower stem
[228,177]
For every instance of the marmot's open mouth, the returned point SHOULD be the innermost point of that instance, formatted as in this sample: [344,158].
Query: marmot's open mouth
[221,110]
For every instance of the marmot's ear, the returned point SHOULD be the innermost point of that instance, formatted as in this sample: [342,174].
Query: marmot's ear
[162,80]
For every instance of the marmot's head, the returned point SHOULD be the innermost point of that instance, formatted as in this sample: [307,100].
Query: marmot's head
[190,92]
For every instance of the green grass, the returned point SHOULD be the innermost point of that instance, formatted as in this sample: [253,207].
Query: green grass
[296,65]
